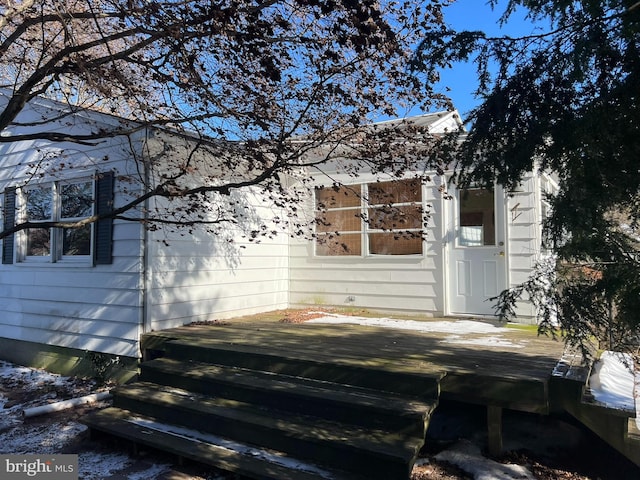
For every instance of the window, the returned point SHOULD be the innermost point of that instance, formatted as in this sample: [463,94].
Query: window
[382,218]
[68,201]
[58,202]
[477,218]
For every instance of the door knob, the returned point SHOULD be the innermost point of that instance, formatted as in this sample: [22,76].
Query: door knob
[499,254]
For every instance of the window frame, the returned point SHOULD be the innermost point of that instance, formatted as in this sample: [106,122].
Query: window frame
[364,210]
[56,234]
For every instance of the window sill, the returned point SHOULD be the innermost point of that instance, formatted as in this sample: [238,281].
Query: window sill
[371,258]
[42,263]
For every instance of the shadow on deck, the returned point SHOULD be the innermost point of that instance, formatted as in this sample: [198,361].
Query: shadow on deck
[327,393]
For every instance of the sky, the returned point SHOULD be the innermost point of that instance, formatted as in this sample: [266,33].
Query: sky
[476,15]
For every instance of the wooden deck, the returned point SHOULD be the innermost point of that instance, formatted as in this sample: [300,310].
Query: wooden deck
[506,368]
[320,392]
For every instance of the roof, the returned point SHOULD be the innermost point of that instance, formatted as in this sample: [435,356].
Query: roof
[437,122]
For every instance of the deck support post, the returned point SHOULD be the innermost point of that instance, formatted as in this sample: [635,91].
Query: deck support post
[494,430]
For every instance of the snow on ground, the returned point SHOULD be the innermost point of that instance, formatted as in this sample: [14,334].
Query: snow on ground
[468,457]
[47,434]
[468,332]
[614,382]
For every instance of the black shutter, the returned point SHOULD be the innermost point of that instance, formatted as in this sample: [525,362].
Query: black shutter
[9,216]
[103,248]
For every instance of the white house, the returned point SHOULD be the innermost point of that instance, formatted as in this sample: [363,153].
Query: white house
[64,292]
[476,242]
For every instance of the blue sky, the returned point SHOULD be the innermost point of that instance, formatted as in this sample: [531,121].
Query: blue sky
[476,15]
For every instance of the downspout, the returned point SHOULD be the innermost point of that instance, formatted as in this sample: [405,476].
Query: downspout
[144,321]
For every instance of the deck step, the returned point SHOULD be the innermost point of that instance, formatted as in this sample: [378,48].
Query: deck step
[356,420]
[345,403]
[243,459]
[384,377]
[383,454]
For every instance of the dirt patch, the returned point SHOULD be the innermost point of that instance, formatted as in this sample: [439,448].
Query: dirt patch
[301,316]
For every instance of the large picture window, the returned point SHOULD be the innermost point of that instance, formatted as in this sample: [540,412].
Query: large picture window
[58,202]
[381,218]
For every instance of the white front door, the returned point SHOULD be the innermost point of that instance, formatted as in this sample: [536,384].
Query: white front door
[476,250]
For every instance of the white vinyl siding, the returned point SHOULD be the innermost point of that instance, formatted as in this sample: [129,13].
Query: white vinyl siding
[524,240]
[202,276]
[410,283]
[75,305]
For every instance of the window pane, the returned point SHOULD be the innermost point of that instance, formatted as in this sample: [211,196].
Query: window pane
[477,218]
[338,197]
[344,244]
[76,241]
[339,221]
[390,217]
[38,242]
[39,203]
[399,191]
[395,243]
[77,200]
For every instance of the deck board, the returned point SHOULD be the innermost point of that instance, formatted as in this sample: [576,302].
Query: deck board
[513,373]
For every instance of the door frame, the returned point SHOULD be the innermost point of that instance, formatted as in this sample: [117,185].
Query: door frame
[449,232]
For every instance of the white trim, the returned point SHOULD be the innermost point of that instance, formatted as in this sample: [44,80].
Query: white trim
[55,255]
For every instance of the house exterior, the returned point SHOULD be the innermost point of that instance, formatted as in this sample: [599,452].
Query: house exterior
[64,292]
[476,242]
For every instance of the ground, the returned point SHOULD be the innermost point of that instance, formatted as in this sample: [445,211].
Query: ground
[537,447]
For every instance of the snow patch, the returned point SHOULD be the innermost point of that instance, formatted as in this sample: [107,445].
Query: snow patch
[97,466]
[615,382]
[456,327]
[39,439]
[612,380]
[469,458]
[461,327]
[491,341]
[33,378]
[151,472]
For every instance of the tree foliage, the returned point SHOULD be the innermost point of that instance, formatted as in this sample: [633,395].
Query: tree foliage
[258,83]
[565,99]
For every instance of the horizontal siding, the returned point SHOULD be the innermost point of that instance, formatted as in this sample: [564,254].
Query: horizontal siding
[77,326]
[524,243]
[401,276]
[371,288]
[205,276]
[110,343]
[122,290]
[65,304]
[89,308]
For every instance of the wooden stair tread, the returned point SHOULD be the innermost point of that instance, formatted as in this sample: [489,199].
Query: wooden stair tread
[383,444]
[245,459]
[381,374]
[295,386]
[288,352]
